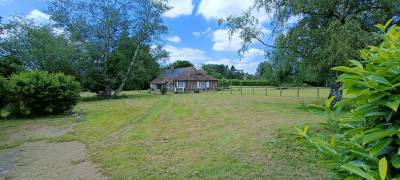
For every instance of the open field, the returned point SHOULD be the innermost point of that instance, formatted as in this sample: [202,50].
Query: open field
[176,137]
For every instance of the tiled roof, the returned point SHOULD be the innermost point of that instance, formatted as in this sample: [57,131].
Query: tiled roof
[182,74]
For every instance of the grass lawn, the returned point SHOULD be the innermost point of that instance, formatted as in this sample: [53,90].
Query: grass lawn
[191,136]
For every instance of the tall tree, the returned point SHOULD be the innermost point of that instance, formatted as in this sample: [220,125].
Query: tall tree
[264,71]
[325,35]
[150,27]
[98,26]
[29,46]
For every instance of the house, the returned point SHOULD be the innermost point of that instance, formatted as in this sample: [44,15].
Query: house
[187,79]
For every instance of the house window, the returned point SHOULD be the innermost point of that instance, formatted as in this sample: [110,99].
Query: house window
[202,84]
[181,84]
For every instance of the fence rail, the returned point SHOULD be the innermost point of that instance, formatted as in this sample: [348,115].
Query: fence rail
[316,92]
[309,92]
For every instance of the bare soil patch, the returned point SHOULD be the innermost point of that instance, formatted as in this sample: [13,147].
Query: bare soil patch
[34,158]
[41,160]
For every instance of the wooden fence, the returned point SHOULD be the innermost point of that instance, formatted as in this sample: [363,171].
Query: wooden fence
[315,92]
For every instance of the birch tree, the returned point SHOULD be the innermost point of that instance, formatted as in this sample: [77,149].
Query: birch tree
[97,26]
[149,28]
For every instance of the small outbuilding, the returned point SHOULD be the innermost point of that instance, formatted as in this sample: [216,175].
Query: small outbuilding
[187,79]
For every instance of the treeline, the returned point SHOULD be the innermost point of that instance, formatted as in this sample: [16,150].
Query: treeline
[240,82]
[221,71]
[105,46]
[39,48]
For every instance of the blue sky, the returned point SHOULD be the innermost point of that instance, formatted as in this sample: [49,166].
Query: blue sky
[194,33]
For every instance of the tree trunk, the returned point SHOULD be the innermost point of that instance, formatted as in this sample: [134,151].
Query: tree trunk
[336,92]
[125,78]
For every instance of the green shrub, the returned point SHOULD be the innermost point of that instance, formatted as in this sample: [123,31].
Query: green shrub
[365,140]
[163,90]
[40,93]
[3,89]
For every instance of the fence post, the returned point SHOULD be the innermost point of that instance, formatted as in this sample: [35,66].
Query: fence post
[318,93]
[231,86]
[280,91]
[266,91]
[253,90]
[222,91]
[298,91]
[241,88]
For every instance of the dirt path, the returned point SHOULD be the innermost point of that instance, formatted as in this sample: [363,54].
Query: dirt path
[42,160]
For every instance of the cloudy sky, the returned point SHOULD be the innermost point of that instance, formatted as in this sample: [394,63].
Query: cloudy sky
[194,33]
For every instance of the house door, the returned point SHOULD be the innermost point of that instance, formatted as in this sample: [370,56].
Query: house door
[181,85]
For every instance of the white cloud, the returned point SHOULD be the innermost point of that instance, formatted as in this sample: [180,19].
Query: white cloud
[189,54]
[217,9]
[179,8]
[205,32]
[39,17]
[222,42]
[174,39]
[252,54]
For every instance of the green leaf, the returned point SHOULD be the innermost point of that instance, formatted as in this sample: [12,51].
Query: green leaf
[379,79]
[378,147]
[324,147]
[328,104]
[356,170]
[383,168]
[388,23]
[396,161]
[392,104]
[380,27]
[343,69]
[378,135]
[356,63]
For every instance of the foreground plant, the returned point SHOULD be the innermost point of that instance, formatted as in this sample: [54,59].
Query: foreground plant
[365,128]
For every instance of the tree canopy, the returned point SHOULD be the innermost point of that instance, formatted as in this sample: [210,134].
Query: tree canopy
[180,64]
[106,45]
[101,26]
[325,34]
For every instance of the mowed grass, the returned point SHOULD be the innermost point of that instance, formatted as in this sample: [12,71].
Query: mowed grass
[192,136]
[198,136]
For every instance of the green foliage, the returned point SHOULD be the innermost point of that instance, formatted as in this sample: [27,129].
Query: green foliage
[39,93]
[138,22]
[3,90]
[238,82]
[9,65]
[265,71]
[221,71]
[365,141]
[180,64]
[163,90]
[315,35]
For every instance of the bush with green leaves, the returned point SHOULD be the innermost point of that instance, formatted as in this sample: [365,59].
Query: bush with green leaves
[40,93]
[365,127]
[3,89]
[163,90]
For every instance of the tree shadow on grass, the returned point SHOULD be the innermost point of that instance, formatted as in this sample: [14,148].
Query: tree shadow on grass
[124,96]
